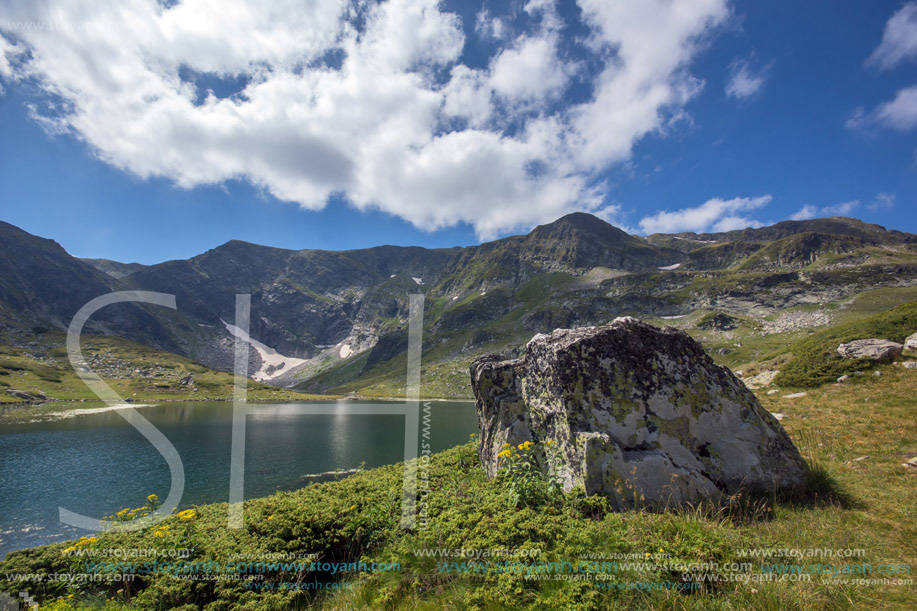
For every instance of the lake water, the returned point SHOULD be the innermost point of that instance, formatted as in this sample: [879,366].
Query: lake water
[97,464]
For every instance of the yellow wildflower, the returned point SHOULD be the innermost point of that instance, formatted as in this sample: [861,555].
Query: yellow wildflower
[188,514]
[270,517]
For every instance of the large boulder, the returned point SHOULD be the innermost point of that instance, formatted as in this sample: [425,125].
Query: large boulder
[870,349]
[640,414]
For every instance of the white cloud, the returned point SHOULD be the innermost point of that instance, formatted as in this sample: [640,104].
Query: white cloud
[901,112]
[530,70]
[806,212]
[883,201]
[899,40]
[842,209]
[744,81]
[713,215]
[899,43]
[350,98]
[487,26]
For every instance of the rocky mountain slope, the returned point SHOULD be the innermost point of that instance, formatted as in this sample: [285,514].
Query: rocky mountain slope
[326,320]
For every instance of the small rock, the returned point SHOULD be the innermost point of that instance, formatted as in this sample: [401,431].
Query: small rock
[871,349]
[858,459]
[909,364]
[911,342]
[762,379]
[843,378]
[188,380]
[778,415]
[876,373]
[773,391]
[795,395]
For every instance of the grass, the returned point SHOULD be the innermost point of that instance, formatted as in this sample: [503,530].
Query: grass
[849,504]
[815,360]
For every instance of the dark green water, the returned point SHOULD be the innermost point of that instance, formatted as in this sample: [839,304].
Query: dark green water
[97,464]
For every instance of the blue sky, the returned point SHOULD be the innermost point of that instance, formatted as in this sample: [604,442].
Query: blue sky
[157,131]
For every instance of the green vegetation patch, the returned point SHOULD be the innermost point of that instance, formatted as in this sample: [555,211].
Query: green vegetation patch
[815,359]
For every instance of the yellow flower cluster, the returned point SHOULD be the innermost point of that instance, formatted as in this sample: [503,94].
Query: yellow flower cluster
[188,514]
[83,542]
[161,531]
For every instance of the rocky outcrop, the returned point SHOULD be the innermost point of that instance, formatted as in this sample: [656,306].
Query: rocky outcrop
[870,349]
[640,414]
[33,397]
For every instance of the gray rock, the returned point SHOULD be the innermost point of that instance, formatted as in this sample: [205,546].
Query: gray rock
[795,395]
[843,378]
[636,411]
[765,378]
[188,380]
[21,394]
[909,364]
[911,342]
[773,391]
[872,349]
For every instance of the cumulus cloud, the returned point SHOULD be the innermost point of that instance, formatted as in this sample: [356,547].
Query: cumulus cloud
[368,101]
[745,81]
[713,215]
[899,40]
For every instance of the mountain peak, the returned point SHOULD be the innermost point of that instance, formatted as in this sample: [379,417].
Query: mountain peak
[580,223]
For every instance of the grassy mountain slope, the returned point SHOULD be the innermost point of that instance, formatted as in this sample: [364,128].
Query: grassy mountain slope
[858,498]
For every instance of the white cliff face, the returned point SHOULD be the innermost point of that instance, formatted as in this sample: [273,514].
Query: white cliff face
[638,412]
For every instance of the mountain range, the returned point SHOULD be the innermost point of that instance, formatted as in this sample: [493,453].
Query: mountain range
[336,320]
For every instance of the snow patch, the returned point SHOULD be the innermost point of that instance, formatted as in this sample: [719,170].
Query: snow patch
[345,351]
[417,280]
[669,268]
[673,317]
[273,364]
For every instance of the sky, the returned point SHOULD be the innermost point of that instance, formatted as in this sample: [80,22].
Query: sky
[145,130]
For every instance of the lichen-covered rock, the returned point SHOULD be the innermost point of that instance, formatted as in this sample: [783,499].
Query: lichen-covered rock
[870,349]
[639,413]
[911,342]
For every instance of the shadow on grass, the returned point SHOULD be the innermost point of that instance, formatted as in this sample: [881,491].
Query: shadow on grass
[820,489]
